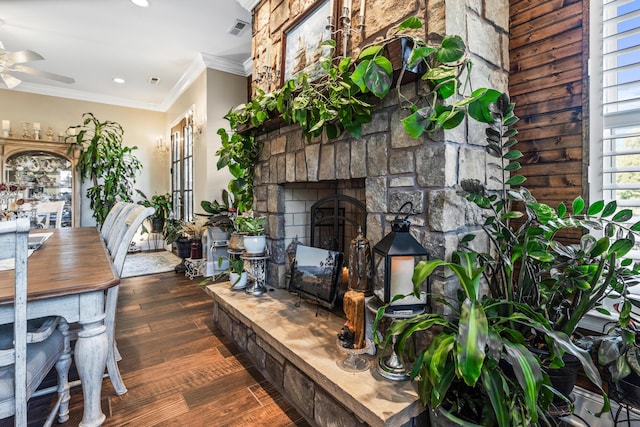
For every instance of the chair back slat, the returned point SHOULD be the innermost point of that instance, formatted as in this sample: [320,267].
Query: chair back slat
[14,236]
[119,227]
[134,220]
[109,221]
[47,208]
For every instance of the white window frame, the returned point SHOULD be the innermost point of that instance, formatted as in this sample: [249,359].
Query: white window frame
[598,176]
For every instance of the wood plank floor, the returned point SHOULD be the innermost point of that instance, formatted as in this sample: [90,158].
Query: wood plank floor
[180,370]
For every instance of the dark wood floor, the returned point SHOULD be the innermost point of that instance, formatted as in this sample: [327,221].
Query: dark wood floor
[180,370]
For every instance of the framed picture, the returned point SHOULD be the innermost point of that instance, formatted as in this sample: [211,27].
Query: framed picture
[301,41]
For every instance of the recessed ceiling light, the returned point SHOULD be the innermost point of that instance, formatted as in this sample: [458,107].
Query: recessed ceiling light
[119,80]
[141,3]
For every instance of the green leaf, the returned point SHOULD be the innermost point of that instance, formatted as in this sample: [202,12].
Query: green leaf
[494,387]
[516,180]
[358,75]
[621,247]
[600,247]
[610,209]
[473,333]
[377,77]
[410,23]
[513,155]
[415,124]
[370,52]
[595,208]
[623,216]
[562,210]
[578,205]
[452,49]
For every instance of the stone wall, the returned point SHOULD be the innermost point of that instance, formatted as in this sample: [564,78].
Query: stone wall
[395,167]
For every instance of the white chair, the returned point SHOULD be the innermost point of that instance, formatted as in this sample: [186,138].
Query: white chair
[119,227]
[44,211]
[110,220]
[27,357]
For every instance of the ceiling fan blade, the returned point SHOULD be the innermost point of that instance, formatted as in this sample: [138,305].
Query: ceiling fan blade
[21,56]
[9,80]
[40,73]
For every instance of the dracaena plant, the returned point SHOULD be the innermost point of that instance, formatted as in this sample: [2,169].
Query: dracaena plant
[477,369]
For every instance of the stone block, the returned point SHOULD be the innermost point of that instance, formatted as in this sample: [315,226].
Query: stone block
[472,163]
[275,199]
[401,161]
[399,198]
[399,137]
[434,20]
[312,155]
[273,170]
[379,123]
[300,390]
[295,140]
[377,155]
[278,144]
[327,170]
[446,210]
[497,11]
[279,16]
[376,195]
[257,355]
[343,160]
[281,168]
[239,335]
[437,165]
[358,157]
[265,153]
[301,166]
[290,167]
[388,13]
[402,181]
[484,41]
[225,323]
[274,370]
[328,413]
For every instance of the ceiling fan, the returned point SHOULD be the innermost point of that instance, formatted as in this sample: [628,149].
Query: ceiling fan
[11,62]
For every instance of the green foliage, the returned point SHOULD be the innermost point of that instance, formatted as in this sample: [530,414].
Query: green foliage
[110,166]
[161,202]
[253,226]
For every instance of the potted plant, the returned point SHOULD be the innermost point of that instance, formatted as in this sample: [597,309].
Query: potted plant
[219,218]
[477,369]
[174,235]
[163,205]
[253,229]
[235,271]
[110,166]
[539,287]
[195,231]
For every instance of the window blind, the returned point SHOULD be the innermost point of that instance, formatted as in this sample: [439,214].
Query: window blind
[621,102]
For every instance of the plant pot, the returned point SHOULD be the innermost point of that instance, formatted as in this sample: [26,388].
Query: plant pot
[238,281]
[236,242]
[215,234]
[255,244]
[629,387]
[183,249]
[157,225]
[196,249]
[562,379]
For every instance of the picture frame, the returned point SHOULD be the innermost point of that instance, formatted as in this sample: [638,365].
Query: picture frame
[301,39]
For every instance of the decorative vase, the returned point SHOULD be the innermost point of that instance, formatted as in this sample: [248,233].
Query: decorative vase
[255,245]
[236,242]
[238,281]
[183,249]
[196,249]
[562,379]
[157,225]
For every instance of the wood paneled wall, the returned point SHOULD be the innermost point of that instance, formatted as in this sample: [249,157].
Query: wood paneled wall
[547,81]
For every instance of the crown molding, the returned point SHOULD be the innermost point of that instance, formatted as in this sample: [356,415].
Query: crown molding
[224,64]
[248,4]
[195,69]
[37,89]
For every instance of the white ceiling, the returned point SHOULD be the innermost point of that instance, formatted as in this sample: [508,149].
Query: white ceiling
[94,41]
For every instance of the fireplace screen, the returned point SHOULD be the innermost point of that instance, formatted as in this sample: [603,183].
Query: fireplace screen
[315,274]
[335,220]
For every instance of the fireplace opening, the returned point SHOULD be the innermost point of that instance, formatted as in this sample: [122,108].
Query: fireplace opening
[327,216]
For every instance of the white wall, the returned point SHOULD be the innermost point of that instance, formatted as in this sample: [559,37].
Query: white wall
[141,128]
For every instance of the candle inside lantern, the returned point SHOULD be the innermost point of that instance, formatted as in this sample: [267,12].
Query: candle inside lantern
[401,274]
[345,275]
[362,5]
[36,126]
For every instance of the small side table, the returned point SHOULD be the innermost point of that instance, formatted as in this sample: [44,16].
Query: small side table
[195,267]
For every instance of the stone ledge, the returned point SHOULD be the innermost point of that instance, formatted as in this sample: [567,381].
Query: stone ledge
[305,338]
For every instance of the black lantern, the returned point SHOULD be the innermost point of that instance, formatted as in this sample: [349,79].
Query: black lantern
[395,257]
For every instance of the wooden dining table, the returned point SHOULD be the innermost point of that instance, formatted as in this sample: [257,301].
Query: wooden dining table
[68,276]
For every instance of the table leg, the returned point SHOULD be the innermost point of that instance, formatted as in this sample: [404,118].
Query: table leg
[91,358]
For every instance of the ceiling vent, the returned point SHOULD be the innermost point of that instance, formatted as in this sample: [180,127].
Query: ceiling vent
[238,27]
[153,80]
